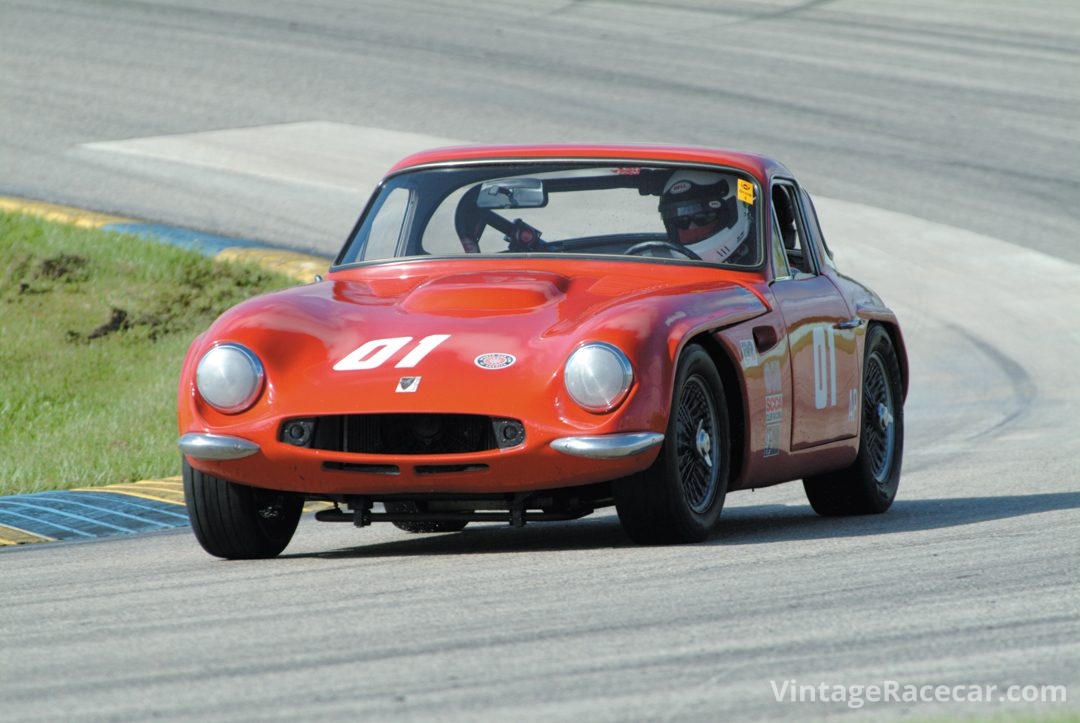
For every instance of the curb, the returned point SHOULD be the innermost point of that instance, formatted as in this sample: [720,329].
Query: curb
[300,266]
[89,513]
[147,505]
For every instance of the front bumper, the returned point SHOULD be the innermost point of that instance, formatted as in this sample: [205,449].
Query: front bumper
[562,462]
[216,446]
[608,446]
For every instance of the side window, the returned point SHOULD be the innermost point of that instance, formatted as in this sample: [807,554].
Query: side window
[810,213]
[779,253]
[792,233]
[383,228]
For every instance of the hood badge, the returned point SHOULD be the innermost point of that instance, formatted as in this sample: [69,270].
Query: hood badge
[495,360]
[408,384]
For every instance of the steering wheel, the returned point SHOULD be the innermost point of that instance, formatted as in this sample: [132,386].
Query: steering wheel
[646,245]
[470,221]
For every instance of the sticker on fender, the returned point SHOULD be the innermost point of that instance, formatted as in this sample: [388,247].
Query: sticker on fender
[774,408]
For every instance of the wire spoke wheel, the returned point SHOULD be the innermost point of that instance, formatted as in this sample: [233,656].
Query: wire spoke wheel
[697,444]
[878,414]
[679,498]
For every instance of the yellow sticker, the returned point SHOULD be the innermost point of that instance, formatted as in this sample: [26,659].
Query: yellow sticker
[746,191]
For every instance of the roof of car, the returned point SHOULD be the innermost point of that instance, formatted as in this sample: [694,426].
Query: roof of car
[760,166]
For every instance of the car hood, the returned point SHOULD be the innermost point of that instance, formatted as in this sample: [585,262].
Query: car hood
[472,337]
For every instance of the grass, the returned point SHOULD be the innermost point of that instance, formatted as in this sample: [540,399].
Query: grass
[93,329]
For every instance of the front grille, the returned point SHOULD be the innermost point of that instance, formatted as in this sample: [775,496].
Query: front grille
[403,434]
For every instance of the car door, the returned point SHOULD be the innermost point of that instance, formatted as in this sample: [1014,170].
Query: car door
[821,331]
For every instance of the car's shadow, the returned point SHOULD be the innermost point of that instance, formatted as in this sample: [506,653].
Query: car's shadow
[745,525]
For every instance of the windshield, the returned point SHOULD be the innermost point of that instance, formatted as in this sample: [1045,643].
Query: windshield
[665,212]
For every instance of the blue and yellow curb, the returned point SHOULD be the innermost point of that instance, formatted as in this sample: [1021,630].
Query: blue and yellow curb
[146,505]
[88,513]
[299,266]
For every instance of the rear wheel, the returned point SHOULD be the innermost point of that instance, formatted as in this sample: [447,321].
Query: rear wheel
[869,485]
[679,498]
[238,522]
[421,526]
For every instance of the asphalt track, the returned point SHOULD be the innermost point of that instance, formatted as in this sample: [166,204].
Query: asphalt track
[942,140]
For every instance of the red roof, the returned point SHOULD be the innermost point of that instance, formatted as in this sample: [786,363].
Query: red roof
[756,164]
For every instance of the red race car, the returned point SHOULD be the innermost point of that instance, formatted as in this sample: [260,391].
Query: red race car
[534,332]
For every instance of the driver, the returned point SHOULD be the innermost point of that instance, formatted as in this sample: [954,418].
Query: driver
[700,211]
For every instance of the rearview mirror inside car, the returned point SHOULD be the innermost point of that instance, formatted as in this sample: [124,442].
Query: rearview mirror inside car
[512,193]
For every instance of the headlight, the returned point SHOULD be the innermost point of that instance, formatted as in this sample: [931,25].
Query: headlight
[230,378]
[598,376]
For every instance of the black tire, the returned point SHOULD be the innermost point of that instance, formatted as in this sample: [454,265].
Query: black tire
[679,498]
[869,485]
[421,526]
[238,522]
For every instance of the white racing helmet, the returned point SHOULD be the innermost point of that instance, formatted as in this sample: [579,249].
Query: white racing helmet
[700,211]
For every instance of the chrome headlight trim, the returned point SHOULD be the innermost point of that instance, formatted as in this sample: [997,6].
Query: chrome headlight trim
[230,378]
[598,376]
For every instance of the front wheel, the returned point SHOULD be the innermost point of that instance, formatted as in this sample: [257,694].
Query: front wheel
[869,485]
[679,498]
[239,522]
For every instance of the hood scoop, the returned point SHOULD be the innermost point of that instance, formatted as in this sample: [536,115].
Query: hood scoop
[488,292]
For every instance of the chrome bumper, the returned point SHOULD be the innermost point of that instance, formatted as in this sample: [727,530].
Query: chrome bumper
[216,446]
[611,446]
[608,446]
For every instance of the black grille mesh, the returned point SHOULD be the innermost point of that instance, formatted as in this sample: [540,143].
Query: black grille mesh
[404,433]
